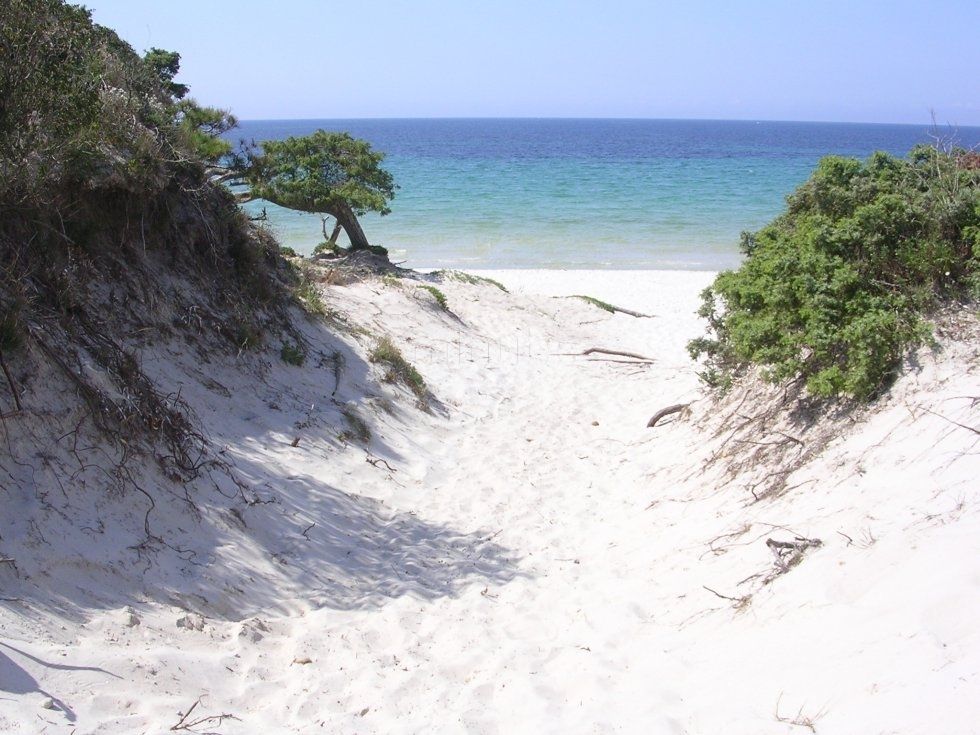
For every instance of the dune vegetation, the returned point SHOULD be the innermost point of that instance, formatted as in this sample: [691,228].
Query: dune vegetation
[838,289]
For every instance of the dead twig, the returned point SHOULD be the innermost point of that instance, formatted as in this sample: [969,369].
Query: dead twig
[955,423]
[799,720]
[10,382]
[377,461]
[188,725]
[740,602]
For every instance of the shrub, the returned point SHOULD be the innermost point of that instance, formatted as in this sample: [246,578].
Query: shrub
[306,291]
[471,279]
[292,354]
[439,296]
[597,303]
[400,370]
[357,427]
[834,291]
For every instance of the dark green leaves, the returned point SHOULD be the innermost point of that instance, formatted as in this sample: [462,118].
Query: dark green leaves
[834,290]
[321,172]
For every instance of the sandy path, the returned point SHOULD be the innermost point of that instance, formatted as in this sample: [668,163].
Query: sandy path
[538,455]
[536,559]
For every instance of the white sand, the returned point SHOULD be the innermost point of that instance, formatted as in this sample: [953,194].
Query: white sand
[536,559]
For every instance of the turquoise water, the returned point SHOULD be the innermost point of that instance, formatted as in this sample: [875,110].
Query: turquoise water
[582,193]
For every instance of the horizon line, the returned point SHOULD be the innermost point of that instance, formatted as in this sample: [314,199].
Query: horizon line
[932,124]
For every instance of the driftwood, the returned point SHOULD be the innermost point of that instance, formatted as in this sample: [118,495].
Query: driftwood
[601,351]
[665,412]
[789,553]
[799,544]
[612,308]
[630,312]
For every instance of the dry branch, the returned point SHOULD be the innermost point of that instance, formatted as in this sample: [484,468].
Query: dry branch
[955,423]
[630,312]
[603,351]
[187,725]
[377,462]
[789,553]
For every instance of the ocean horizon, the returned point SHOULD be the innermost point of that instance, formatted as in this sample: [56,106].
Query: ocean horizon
[583,193]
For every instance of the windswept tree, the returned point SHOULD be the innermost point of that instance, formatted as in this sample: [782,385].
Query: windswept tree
[329,174]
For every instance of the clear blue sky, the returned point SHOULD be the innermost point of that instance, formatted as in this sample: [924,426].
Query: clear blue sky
[835,60]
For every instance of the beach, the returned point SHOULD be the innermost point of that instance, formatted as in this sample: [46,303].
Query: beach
[521,375]
[525,555]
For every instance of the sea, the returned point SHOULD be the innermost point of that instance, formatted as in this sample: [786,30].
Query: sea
[583,194]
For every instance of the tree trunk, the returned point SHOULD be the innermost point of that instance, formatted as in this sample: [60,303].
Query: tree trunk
[335,234]
[348,220]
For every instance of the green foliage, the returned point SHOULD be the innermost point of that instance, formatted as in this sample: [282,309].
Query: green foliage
[835,289]
[165,65]
[202,128]
[439,296]
[76,103]
[245,334]
[325,247]
[471,279]
[319,172]
[287,252]
[400,370]
[597,303]
[80,109]
[307,293]
[292,354]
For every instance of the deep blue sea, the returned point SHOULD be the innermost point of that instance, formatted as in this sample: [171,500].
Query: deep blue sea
[560,193]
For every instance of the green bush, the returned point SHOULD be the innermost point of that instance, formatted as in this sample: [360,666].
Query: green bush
[439,296]
[471,279]
[80,109]
[596,303]
[306,292]
[400,370]
[834,291]
[292,354]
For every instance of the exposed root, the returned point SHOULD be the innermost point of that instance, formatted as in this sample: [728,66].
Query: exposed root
[676,408]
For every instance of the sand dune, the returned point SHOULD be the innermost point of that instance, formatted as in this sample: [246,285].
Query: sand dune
[525,556]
